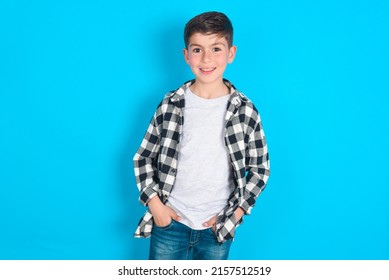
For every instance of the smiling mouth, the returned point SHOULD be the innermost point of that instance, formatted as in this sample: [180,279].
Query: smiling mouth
[207,70]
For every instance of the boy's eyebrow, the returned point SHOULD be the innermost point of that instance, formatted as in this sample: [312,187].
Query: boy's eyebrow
[198,45]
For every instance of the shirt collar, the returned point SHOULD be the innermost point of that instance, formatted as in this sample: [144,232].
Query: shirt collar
[178,96]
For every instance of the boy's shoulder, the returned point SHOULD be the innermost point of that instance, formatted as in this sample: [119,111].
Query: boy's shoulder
[241,101]
[176,96]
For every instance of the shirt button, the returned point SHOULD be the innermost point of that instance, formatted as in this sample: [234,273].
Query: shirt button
[173,171]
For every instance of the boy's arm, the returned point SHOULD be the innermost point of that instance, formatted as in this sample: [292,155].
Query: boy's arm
[257,167]
[145,171]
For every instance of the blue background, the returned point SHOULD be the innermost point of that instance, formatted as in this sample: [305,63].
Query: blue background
[80,80]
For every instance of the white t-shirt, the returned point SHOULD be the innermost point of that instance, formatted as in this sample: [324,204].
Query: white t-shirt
[204,177]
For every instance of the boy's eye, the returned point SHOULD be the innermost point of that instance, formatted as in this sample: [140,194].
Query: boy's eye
[216,49]
[196,50]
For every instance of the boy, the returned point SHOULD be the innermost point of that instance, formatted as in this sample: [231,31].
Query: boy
[203,160]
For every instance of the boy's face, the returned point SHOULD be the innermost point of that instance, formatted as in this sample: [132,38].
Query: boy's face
[208,55]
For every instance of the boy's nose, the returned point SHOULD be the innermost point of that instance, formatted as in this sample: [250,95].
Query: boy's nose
[206,57]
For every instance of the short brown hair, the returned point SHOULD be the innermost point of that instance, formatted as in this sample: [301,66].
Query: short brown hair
[209,23]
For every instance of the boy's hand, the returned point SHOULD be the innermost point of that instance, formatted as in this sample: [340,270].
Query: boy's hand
[239,213]
[162,214]
[212,222]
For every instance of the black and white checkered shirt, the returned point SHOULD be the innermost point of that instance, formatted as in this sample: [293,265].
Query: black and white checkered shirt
[155,162]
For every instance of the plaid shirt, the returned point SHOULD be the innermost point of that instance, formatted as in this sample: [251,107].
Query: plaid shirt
[155,162]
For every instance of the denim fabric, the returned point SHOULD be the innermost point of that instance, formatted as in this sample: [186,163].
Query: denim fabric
[179,242]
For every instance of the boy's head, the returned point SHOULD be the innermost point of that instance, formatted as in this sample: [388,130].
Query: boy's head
[209,23]
[208,46]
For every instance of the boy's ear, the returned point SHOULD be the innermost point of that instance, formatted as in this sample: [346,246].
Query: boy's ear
[185,51]
[231,54]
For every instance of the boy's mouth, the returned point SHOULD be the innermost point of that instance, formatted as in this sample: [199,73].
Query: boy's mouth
[207,70]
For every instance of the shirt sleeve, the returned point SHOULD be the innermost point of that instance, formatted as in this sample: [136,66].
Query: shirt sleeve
[145,170]
[257,168]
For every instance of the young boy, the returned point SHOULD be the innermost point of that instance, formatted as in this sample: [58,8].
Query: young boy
[204,160]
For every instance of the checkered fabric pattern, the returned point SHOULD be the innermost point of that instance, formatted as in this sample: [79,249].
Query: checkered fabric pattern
[155,162]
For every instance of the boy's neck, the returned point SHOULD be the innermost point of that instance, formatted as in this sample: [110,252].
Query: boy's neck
[209,91]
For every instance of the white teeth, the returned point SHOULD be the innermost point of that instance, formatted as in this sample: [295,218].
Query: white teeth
[207,69]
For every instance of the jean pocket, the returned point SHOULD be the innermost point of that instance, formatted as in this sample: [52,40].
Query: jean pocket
[165,227]
[212,232]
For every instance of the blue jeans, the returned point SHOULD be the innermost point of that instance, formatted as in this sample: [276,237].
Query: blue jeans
[179,242]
